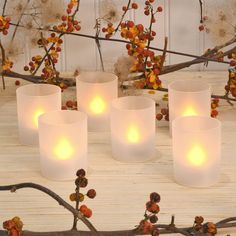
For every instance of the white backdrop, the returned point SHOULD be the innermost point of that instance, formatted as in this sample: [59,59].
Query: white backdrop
[179,22]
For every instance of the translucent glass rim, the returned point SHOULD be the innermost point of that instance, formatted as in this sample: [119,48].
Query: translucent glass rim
[202,86]
[215,124]
[116,103]
[110,77]
[23,90]
[77,115]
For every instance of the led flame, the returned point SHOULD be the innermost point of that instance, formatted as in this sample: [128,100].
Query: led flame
[196,156]
[63,150]
[97,105]
[133,135]
[36,115]
[189,111]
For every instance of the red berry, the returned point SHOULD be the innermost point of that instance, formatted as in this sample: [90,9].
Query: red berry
[69,103]
[130,24]
[134,5]
[140,27]
[26,68]
[81,173]
[155,197]
[17,82]
[124,8]
[201,27]
[159,116]
[159,9]
[91,193]
[164,111]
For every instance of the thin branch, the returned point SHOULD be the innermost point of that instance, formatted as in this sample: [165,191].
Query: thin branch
[123,15]
[164,53]
[4,8]
[19,20]
[3,62]
[201,11]
[53,195]
[124,41]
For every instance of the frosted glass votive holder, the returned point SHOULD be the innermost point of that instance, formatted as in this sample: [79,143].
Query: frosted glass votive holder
[189,98]
[32,101]
[95,91]
[196,150]
[63,144]
[133,128]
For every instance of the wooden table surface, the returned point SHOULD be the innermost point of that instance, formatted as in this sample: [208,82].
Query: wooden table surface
[122,189]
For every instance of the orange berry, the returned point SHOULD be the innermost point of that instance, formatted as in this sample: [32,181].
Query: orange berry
[152,207]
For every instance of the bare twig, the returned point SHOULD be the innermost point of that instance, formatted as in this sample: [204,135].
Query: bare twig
[201,11]
[4,8]
[3,62]
[164,53]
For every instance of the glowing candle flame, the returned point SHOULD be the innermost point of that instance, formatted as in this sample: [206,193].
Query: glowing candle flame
[196,156]
[189,111]
[97,105]
[63,149]
[133,135]
[36,115]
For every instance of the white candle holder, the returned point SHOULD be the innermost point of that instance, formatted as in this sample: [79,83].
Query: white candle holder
[196,150]
[133,128]
[95,91]
[189,98]
[32,101]
[63,144]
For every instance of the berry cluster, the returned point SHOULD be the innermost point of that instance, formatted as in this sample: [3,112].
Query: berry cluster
[214,105]
[163,114]
[148,9]
[70,105]
[146,226]
[139,38]
[52,46]
[13,226]
[199,227]
[4,24]
[69,24]
[82,182]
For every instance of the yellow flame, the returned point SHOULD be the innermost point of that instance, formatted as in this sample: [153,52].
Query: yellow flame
[97,105]
[196,156]
[189,111]
[133,134]
[36,115]
[63,150]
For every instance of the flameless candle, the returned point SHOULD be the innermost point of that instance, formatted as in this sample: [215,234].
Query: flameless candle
[133,128]
[63,144]
[32,101]
[189,98]
[196,150]
[95,91]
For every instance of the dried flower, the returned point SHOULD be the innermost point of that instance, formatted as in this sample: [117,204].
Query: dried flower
[52,11]
[122,67]
[219,22]
[109,11]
